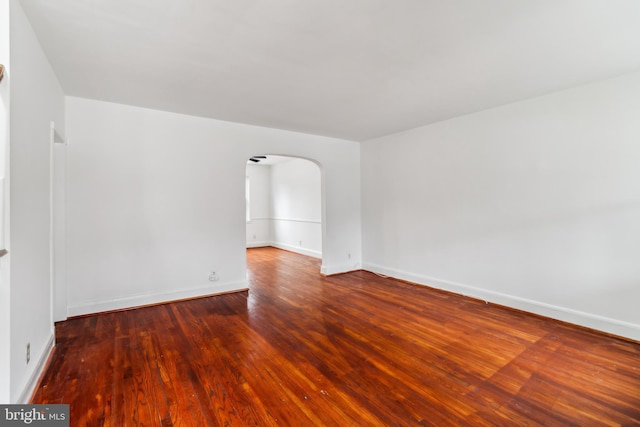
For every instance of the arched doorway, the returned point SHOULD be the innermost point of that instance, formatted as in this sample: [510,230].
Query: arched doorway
[284,204]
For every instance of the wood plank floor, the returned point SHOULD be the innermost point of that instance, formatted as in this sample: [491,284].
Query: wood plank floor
[300,349]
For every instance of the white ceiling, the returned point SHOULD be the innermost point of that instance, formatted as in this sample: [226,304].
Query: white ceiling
[354,69]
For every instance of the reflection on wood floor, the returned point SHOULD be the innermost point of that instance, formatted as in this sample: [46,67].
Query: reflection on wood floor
[300,349]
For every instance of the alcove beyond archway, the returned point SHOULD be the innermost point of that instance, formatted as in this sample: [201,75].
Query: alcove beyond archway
[284,204]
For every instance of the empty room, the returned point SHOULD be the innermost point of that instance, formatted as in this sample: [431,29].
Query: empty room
[320,212]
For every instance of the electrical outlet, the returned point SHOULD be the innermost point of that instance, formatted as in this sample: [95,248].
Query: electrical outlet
[28,352]
[213,277]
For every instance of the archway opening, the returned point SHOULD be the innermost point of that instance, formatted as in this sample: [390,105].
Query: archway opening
[284,204]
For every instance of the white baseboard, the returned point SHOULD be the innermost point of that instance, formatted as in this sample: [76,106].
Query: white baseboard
[38,369]
[297,249]
[260,244]
[592,321]
[141,300]
[329,269]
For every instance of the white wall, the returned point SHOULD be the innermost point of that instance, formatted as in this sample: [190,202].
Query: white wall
[5,284]
[259,228]
[36,100]
[296,204]
[155,201]
[534,205]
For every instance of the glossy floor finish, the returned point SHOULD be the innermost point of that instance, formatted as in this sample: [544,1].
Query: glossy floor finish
[300,349]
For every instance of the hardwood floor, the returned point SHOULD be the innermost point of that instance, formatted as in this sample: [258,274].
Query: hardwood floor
[355,349]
